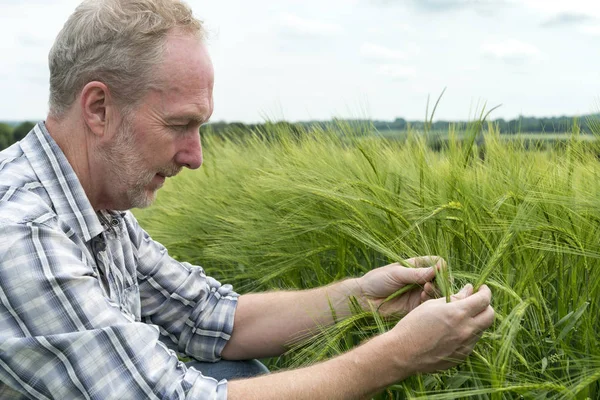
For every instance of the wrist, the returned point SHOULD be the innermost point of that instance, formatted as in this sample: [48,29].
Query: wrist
[356,285]
[388,361]
[352,288]
[401,354]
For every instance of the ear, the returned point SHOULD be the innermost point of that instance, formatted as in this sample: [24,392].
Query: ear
[96,104]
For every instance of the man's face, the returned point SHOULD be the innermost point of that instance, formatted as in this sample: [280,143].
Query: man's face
[161,135]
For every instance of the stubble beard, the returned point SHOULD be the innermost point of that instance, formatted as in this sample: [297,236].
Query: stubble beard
[128,171]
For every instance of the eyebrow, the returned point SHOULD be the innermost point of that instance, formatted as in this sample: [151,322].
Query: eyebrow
[195,118]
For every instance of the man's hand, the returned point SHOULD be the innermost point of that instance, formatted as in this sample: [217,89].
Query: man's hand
[439,335]
[380,283]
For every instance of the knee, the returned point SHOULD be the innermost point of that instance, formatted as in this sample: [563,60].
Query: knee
[227,369]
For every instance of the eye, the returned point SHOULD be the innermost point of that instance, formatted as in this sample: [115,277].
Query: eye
[179,127]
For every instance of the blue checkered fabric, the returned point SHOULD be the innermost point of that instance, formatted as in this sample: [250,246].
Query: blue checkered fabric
[90,306]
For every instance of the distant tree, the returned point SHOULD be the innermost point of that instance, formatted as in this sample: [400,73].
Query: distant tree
[6,136]
[399,123]
[22,130]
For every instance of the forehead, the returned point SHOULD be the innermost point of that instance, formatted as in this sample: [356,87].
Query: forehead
[185,78]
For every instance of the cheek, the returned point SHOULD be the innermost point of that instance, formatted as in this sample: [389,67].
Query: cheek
[155,146]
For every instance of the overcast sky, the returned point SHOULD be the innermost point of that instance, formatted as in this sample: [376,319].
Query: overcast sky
[317,59]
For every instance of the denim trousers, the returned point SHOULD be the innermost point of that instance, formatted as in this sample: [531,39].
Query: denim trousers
[226,369]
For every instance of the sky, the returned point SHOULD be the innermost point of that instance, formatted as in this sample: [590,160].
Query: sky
[300,60]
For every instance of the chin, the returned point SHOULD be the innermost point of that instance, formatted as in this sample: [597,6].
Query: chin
[147,202]
[141,199]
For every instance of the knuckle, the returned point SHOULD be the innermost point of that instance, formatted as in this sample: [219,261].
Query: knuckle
[466,335]
[460,314]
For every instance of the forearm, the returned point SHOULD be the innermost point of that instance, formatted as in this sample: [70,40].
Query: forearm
[266,324]
[358,374]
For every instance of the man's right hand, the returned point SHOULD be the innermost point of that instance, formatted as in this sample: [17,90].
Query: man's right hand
[438,335]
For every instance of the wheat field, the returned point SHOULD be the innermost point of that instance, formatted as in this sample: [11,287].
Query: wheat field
[281,208]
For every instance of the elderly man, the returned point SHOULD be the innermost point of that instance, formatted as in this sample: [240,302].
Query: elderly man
[92,308]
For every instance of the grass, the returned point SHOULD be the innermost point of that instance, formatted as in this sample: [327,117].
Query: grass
[280,210]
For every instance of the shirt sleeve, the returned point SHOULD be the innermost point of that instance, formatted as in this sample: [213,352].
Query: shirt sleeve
[60,338]
[193,311]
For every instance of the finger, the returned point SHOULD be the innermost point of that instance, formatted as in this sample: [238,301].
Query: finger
[429,296]
[477,334]
[460,354]
[426,261]
[485,319]
[478,302]
[425,296]
[431,290]
[440,264]
[472,342]
[474,339]
[466,350]
[419,276]
[441,268]
[465,292]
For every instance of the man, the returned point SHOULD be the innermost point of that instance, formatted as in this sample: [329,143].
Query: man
[91,307]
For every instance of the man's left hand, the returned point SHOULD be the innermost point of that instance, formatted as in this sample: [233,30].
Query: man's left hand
[380,283]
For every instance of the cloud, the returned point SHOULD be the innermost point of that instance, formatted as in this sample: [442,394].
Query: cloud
[389,60]
[397,72]
[445,5]
[376,52]
[566,18]
[307,27]
[510,50]
[556,8]
[440,5]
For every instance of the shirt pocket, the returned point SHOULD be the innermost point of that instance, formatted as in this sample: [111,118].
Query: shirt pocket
[130,301]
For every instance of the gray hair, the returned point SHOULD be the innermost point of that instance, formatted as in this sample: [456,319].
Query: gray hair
[117,42]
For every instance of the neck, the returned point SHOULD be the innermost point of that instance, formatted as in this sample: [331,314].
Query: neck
[74,140]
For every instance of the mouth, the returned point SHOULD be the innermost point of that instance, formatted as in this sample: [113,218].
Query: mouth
[168,173]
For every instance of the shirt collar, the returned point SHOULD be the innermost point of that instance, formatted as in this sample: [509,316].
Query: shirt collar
[60,181]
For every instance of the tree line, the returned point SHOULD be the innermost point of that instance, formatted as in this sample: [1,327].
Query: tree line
[10,134]
[587,124]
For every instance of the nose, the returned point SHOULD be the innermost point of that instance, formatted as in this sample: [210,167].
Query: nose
[190,151]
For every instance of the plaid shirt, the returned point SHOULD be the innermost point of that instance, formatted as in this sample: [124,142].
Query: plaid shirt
[90,306]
